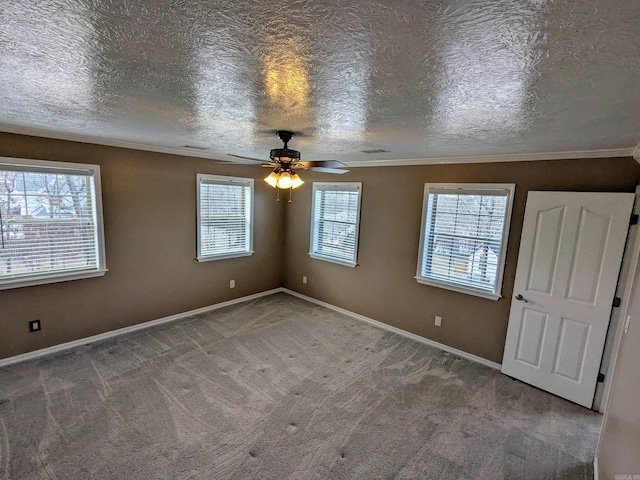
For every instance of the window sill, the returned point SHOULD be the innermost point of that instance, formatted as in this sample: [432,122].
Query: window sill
[45,279]
[458,288]
[224,256]
[346,263]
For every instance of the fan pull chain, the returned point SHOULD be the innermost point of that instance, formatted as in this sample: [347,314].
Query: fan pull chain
[277,194]
[290,194]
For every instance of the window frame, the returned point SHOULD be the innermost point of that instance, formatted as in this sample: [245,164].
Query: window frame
[55,167]
[221,179]
[312,242]
[472,188]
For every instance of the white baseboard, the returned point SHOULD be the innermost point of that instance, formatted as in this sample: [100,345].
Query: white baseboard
[404,333]
[152,323]
[133,328]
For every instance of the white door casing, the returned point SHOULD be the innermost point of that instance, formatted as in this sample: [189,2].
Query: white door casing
[568,264]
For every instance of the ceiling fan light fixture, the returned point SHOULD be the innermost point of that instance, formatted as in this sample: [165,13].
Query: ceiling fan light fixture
[272,179]
[296,181]
[285,180]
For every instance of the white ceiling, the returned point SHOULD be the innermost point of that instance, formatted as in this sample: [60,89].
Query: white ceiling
[422,80]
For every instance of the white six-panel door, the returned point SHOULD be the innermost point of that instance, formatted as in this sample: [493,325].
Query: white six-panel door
[570,254]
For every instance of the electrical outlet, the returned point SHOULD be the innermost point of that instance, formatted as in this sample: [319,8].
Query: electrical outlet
[304,279]
[232,284]
[34,326]
[438,321]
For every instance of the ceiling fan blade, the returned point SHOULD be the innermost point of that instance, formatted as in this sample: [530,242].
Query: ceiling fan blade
[242,164]
[246,158]
[323,163]
[327,170]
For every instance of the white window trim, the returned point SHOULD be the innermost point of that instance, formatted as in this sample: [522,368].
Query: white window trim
[53,278]
[222,256]
[327,258]
[71,168]
[471,188]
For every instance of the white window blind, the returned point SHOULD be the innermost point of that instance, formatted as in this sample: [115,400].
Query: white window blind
[225,211]
[464,236]
[50,222]
[335,221]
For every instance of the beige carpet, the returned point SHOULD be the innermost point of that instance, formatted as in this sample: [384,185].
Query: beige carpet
[279,388]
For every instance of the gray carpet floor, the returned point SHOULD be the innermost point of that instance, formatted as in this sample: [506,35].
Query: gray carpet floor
[279,388]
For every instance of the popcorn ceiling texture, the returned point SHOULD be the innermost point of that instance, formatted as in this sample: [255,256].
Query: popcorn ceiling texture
[420,79]
[279,388]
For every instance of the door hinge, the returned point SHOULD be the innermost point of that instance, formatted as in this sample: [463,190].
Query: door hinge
[634,219]
[617,301]
[600,377]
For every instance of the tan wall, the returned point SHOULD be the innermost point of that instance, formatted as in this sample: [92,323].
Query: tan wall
[150,229]
[619,446]
[149,207]
[383,287]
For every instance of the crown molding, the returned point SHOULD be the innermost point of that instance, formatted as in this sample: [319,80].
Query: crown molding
[109,142]
[516,157]
[512,157]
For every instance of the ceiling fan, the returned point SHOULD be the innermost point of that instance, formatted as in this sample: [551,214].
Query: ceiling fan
[285,160]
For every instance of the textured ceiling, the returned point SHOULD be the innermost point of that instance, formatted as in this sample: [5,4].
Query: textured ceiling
[419,79]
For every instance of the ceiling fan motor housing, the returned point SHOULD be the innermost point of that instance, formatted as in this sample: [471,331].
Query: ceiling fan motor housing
[284,155]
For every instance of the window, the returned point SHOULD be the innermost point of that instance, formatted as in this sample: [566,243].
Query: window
[335,222]
[225,217]
[464,237]
[50,222]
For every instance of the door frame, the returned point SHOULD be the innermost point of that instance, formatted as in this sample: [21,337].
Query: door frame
[624,290]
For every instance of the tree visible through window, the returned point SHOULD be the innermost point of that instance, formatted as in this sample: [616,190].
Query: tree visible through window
[225,210]
[50,221]
[464,236]
[335,222]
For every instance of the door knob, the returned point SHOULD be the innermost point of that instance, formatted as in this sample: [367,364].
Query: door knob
[520,298]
